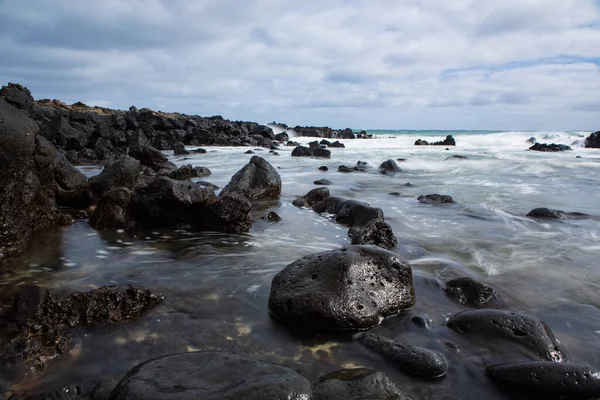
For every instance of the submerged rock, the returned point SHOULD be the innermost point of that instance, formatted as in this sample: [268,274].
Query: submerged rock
[273,217]
[411,359]
[351,288]
[343,168]
[550,213]
[301,151]
[525,330]
[313,197]
[457,157]
[389,167]
[547,380]
[40,323]
[357,384]
[550,147]
[436,199]
[532,140]
[258,179]
[322,182]
[376,232]
[469,291]
[211,375]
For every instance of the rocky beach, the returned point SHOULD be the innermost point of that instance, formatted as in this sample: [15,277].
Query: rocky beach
[148,254]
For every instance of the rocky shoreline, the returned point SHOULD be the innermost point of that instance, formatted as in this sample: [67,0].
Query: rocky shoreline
[351,289]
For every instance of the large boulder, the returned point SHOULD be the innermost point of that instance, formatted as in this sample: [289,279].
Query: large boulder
[152,158]
[357,384]
[301,151]
[376,232]
[547,380]
[27,197]
[258,179]
[211,375]
[524,330]
[413,360]
[352,288]
[593,141]
[126,172]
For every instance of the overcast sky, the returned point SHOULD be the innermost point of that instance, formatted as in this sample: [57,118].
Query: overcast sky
[403,64]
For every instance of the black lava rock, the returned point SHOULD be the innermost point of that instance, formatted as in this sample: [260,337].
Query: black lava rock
[258,179]
[337,144]
[351,288]
[420,142]
[411,359]
[311,198]
[127,173]
[550,147]
[323,168]
[524,330]
[593,141]
[273,217]
[249,152]
[375,232]
[112,210]
[449,141]
[179,149]
[389,167]
[152,158]
[457,157]
[301,151]
[469,291]
[349,212]
[357,384]
[322,182]
[211,375]
[435,199]
[547,380]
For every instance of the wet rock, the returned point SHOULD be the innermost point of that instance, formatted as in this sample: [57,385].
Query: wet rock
[351,288]
[301,151]
[357,384]
[457,157]
[361,166]
[292,143]
[249,152]
[524,330]
[112,210]
[550,213]
[337,144]
[469,291]
[179,149]
[401,159]
[532,140]
[449,141]
[422,321]
[40,323]
[188,172]
[343,168]
[166,202]
[324,142]
[323,168]
[375,232]
[411,359]
[311,198]
[550,147]
[258,179]
[435,199]
[314,144]
[273,217]
[199,151]
[282,137]
[420,142]
[322,182]
[395,194]
[208,185]
[152,158]
[547,380]
[127,173]
[593,141]
[211,375]
[350,212]
[389,167]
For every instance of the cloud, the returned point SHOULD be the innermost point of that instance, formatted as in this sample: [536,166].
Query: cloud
[425,64]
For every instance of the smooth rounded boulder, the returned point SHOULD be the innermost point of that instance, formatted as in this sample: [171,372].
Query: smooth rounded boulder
[547,380]
[352,288]
[258,179]
[211,375]
[413,360]
[389,167]
[525,330]
[357,384]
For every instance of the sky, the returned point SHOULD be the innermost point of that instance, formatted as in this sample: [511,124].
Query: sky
[364,64]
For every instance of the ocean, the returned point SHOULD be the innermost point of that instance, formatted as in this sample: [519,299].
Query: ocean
[216,285]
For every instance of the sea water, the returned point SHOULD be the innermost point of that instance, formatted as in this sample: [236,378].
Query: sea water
[217,285]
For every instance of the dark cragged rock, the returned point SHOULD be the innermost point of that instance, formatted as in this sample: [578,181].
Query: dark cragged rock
[525,330]
[413,360]
[179,149]
[449,141]
[337,144]
[389,167]
[349,212]
[318,152]
[323,168]
[273,217]
[127,173]
[186,172]
[357,384]
[112,210]
[376,232]
[420,142]
[593,141]
[547,380]
[352,288]
[553,147]
[40,323]
[152,158]
[469,291]
[257,179]
[311,198]
[549,213]
[322,182]
[211,375]
[436,199]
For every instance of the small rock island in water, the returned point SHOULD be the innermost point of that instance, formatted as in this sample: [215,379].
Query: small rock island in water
[128,273]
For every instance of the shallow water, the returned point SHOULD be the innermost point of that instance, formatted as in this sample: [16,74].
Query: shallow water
[216,285]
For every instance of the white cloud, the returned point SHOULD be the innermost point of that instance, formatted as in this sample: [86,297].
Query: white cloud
[361,63]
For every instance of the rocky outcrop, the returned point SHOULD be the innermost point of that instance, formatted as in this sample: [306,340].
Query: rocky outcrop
[257,179]
[413,360]
[33,178]
[39,323]
[436,199]
[211,375]
[324,132]
[357,384]
[524,330]
[469,291]
[547,380]
[318,152]
[389,167]
[449,141]
[593,141]
[550,147]
[351,288]
[97,134]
